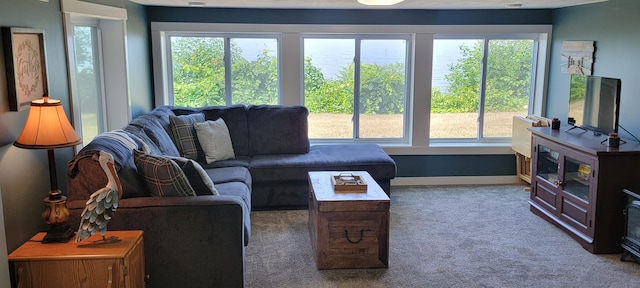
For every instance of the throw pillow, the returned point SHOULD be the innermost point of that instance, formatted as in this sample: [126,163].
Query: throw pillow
[198,177]
[215,140]
[162,176]
[184,135]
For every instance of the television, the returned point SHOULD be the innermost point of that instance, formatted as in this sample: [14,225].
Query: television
[594,103]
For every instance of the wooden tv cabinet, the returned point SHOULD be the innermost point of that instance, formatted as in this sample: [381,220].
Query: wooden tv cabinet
[577,184]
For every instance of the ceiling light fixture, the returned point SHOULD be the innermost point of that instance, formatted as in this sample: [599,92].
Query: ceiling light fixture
[379,2]
[196,4]
[514,5]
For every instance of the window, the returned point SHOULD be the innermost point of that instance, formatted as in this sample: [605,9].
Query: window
[222,70]
[88,72]
[479,84]
[355,87]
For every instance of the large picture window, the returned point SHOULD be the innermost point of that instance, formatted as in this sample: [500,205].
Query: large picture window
[355,87]
[479,84]
[210,70]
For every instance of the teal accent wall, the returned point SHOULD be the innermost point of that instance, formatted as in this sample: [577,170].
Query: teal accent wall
[613,25]
[454,165]
[354,16]
[139,54]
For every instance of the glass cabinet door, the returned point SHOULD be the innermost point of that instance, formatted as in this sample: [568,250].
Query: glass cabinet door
[547,164]
[576,178]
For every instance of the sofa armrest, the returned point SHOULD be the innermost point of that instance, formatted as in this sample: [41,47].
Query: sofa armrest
[193,241]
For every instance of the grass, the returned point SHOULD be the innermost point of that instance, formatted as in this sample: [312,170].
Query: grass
[443,125]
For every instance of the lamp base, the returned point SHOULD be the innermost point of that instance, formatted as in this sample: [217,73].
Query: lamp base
[61,233]
[56,215]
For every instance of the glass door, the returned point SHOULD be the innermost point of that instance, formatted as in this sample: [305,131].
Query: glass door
[574,200]
[88,87]
[577,178]
[547,168]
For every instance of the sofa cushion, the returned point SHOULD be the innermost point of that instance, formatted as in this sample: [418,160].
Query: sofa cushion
[238,189]
[234,116]
[197,176]
[277,129]
[184,135]
[294,167]
[162,176]
[230,174]
[215,140]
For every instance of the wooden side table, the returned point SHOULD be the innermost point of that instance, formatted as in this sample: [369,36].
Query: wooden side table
[117,262]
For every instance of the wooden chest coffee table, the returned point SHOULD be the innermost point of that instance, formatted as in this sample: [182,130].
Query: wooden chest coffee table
[348,230]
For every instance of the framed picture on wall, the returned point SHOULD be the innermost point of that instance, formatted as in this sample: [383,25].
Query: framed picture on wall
[24,53]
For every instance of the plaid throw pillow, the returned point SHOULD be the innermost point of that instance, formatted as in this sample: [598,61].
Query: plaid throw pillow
[198,177]
[184,135]
[162,176]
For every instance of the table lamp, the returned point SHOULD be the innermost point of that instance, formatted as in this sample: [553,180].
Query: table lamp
[47,127]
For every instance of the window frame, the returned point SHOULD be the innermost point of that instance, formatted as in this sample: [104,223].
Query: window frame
[227,38]
[486,38]
[419,88]
[358,38]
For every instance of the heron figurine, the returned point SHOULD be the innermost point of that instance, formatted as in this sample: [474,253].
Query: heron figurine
[102,204]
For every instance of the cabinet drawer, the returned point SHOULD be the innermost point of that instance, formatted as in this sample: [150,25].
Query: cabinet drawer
[69,273]
[575,213]
[544,195]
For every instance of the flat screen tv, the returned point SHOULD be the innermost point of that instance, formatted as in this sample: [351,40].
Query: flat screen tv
[595,106]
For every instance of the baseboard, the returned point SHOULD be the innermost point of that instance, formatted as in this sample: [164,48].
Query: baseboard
[455,180]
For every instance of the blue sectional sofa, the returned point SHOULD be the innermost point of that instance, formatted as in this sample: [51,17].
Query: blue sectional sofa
[199,241]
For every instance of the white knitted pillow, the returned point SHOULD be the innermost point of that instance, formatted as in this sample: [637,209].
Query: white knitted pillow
[215,140]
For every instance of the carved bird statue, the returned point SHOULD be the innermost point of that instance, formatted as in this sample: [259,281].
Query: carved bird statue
[102,204]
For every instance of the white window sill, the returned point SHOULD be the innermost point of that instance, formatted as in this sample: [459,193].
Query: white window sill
[452,148]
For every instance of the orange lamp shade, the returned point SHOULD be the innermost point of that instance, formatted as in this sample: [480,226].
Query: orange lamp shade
[47,127]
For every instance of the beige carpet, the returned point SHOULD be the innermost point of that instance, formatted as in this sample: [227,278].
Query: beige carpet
[463,236]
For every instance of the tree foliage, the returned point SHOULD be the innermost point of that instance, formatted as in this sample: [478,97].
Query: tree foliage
[198,71]
[381,89]
[507,82]
[255,82]
[85,74]
[578,88]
